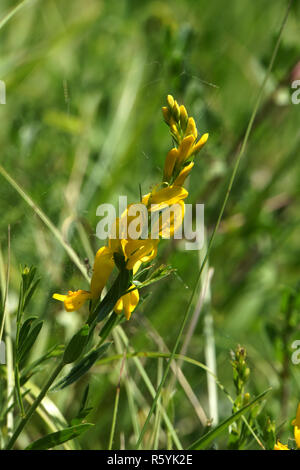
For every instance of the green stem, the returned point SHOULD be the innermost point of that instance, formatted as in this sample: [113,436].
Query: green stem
[34,406]
[113,425]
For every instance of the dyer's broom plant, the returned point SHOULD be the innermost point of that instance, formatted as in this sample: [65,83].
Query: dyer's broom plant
[130,256]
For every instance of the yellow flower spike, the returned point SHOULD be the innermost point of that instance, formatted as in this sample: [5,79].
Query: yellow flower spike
[191,128]
[296,424]
[201,142]
[170,164]
[73,300]
[127,303]
[184,150]
[279,446]
[103,266]
[179,181]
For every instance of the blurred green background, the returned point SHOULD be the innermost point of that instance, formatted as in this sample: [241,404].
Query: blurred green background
[82,124]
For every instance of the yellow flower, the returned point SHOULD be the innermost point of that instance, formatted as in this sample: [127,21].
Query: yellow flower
[73,300]
[279,446]
[103,266]
[296,424]
[127,303]
[135,252]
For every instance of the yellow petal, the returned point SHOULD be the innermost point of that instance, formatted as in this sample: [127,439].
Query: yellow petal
[174,220]
[165,197]
[179,181]
[279,446]
[170,101]
[60,297]
[73,300]
[191,128]
[166,114]
[183,117]
[118,308]
[139,250]
[170,164]
[127,303]
[201,142]
[184,150]
[296,422]
[102,269]
[297,436]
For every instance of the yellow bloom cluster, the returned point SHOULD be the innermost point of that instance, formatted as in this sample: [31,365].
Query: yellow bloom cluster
[178,164]
[296,424]
[179,161]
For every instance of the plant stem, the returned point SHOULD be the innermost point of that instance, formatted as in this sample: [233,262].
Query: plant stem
[34,406]
[113,426]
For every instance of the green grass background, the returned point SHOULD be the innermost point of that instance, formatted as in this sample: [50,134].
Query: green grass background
[82,125]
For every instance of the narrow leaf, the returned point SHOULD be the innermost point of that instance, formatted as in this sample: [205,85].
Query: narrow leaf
[56,438]
[82,367]
[29,342]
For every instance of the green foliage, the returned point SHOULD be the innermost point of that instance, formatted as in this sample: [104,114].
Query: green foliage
[81,126]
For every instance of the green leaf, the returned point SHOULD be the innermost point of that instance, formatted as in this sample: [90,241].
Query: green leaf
[119,288]
[109,325]
[82,367]
[25,330]
[205,440]
[76,345]
[56,438]
[29,342]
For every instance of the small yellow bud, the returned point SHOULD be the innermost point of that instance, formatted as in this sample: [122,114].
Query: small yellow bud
[191,128]
[170,101]
[170,163]
[176,111]
[183,117]
[166,114]
[184,150]
[201,142]
[179,181]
